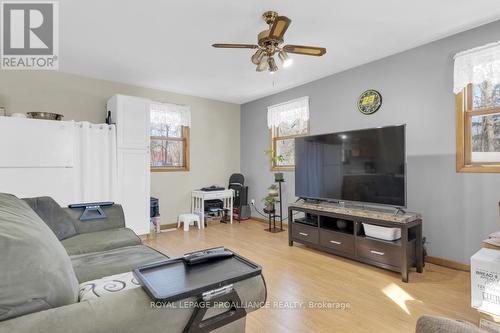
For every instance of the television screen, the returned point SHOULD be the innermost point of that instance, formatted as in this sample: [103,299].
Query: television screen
[366,166]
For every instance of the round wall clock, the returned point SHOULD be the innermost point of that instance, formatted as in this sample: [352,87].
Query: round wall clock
[369,102]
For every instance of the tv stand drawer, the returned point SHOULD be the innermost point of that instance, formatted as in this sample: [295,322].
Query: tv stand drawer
[337,241]
[305,233]
[379,251]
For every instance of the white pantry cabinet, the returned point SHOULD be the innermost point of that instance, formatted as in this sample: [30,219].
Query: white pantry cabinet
[131,116]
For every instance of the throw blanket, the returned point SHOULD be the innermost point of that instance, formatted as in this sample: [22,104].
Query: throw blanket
[107,285]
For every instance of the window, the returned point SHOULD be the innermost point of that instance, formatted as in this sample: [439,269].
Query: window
[287,121]
[169,131]
[477,88]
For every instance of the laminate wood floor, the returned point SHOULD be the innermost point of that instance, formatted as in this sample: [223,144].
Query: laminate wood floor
[375,300]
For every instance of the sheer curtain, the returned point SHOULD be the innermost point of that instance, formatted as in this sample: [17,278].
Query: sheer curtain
[297,109]
[476,66]
[172,114]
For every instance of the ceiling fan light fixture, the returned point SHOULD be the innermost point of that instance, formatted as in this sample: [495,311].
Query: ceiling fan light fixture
[257,56]
[272,65]
[270,42]
[263,65]
[285,59]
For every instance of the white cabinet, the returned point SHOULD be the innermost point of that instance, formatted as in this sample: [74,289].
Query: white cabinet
[131,116]
[133,188]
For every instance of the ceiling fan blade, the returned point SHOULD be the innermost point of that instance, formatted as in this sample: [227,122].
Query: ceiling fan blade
[236,46]
[279,27]
[305,50]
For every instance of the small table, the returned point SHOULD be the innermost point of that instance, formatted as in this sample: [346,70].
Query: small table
[198,198]
[210,283]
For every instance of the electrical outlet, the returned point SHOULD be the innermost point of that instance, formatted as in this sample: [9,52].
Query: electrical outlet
[252,202]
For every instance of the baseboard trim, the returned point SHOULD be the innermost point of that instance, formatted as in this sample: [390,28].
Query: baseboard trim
[266,221]
[258,219]
[448,263]
[168,226]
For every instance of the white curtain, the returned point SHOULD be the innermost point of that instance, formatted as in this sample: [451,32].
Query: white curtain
[476,66]
[172,114]
[95,162]
[288,112]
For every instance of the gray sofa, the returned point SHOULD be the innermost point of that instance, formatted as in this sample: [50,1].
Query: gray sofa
[47,252]
[430,324]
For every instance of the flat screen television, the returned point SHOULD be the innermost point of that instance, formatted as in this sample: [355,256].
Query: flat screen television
[367,166]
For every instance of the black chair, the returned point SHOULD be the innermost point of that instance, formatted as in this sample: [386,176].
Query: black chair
[240,201]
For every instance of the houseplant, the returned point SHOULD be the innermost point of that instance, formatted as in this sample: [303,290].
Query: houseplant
[273,190]
[269,203]
[275,160]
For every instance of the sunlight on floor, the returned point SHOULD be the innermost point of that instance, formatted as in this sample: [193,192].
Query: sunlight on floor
[399,296]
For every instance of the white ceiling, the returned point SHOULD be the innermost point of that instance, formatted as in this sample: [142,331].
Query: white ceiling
[166,44]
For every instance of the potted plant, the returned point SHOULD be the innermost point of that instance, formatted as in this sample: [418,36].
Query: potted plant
[273,190]
[275,160]
[269,203]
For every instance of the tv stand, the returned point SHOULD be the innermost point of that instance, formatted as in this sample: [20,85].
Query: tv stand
[320,229]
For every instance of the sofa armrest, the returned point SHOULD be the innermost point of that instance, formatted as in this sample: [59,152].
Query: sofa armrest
[115,219]
[130,311]
[430,324]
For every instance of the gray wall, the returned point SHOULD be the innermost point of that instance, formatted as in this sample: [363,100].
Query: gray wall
[459,210]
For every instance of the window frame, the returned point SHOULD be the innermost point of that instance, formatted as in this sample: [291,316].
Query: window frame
[464,114]
[274,135]
[185,140]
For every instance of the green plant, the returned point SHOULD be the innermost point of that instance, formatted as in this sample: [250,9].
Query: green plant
[273,187]
[270,200]
[275,159]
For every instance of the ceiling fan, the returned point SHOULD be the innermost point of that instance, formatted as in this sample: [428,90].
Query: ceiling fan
[269,43]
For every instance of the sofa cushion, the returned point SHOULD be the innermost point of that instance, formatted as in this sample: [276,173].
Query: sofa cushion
[35,271]
[100,241]
[53,215]
[91,266]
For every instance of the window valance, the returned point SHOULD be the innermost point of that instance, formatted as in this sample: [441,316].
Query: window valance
[476,66]
[173,114]
[288,112]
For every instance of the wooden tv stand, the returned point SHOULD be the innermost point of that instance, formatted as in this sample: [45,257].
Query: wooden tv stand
[319,229]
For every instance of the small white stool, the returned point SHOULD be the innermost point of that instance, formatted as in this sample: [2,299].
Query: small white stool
[187,219]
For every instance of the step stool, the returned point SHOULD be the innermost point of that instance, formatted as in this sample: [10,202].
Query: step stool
[187,219]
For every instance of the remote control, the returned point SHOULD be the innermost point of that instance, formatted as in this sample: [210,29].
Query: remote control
[204,256]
